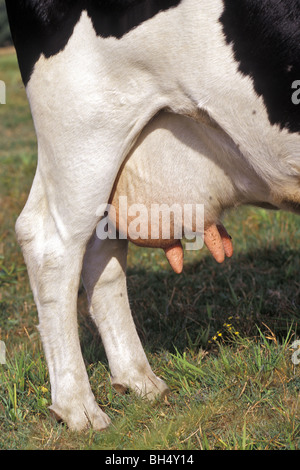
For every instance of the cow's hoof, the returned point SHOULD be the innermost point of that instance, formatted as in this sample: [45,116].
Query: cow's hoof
[149,386]
[81,419]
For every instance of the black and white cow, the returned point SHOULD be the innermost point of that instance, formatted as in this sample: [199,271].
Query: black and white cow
[96,72]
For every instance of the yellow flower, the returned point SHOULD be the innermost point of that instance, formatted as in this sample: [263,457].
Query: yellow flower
[44,389]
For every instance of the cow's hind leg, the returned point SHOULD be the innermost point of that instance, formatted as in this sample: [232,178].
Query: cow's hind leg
[53,255]
[104,278]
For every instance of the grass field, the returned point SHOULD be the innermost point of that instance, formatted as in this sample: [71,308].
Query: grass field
[219,335]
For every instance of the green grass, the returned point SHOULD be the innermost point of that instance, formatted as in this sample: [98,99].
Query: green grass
[219,335]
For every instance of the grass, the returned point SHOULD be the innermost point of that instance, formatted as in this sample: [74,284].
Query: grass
[219,335]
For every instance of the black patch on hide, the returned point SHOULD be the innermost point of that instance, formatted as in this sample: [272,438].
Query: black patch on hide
[265,36]
[45,26]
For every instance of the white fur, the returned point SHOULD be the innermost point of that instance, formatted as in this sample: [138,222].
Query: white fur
[89,103]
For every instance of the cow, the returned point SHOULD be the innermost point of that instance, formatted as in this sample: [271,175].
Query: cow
[98,73]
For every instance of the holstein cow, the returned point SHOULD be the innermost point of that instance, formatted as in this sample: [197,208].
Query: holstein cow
[219,75]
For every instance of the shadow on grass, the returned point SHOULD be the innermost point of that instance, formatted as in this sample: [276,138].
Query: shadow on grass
[188,310]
